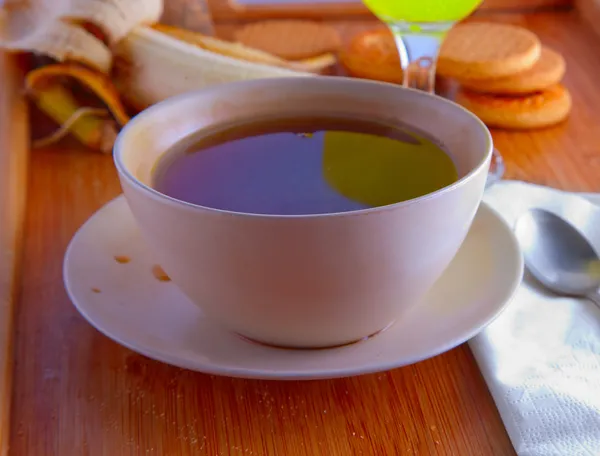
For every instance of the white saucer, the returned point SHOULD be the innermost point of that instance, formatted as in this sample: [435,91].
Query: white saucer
[129,305]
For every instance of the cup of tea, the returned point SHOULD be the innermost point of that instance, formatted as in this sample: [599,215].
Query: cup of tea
[308,212]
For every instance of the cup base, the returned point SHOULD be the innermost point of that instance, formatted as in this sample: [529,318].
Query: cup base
[324,347]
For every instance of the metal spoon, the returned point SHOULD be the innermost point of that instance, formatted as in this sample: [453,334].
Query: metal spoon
[558,255]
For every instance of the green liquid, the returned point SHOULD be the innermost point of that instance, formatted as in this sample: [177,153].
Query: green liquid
[380,170]
[422,10]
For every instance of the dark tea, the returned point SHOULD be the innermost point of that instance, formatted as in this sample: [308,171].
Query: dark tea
[303,165]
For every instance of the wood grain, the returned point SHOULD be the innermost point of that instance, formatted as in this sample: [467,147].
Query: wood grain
[589,11]
[14,151]
[78,393]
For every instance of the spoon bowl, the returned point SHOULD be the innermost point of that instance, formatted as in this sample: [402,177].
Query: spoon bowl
[558,254]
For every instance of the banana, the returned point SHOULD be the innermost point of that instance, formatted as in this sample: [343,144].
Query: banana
[242,52]
[151,66]
[54,27]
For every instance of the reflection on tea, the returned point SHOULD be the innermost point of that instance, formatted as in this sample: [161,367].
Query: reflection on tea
[303,165]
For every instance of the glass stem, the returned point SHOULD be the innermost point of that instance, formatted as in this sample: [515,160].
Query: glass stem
[418,46]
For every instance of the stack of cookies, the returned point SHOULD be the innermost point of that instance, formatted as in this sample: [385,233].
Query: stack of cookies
[507,77]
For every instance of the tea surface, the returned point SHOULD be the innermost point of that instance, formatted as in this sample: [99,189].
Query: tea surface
[302,166]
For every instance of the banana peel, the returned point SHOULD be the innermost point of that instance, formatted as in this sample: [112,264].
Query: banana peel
[91,126]
[56,28]
[97,82]
[116,18]
[61,41]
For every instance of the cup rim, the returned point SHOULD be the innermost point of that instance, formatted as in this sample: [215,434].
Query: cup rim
[118,148]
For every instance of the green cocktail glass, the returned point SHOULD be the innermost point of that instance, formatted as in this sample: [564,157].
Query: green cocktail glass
[419,28]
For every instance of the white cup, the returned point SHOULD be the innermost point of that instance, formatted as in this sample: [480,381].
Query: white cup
[304,280]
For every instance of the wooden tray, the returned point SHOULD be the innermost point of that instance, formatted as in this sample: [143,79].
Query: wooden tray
[254,9]
[14,145]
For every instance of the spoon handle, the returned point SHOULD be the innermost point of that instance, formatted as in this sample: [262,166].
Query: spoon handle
[594,296]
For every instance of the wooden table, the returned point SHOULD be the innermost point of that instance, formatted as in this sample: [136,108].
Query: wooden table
[78,393]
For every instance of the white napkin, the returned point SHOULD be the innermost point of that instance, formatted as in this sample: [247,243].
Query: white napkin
[541,356]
